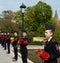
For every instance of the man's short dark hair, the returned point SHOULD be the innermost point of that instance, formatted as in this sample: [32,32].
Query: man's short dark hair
[50,27]
[25,31]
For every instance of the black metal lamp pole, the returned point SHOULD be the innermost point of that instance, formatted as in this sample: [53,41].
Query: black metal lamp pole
[22,10]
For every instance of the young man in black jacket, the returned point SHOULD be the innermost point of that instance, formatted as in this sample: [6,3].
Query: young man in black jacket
[23,49]
[15,43]
[51,46]
[8,42]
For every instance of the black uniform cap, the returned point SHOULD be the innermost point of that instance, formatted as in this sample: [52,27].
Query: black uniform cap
[50,27]
[16,32]
[25,31]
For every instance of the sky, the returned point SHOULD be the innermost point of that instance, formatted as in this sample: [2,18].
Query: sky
[15,4]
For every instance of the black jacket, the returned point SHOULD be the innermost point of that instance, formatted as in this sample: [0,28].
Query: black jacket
[15,42]
[52,48]
[8,41]
[23,47]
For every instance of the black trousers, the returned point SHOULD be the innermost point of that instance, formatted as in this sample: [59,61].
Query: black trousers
[24,56]
[8,47]
[51,61]
[4,45]
[15,52]
[2,42]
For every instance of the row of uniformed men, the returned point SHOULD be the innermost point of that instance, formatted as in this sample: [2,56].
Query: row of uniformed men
[23,42]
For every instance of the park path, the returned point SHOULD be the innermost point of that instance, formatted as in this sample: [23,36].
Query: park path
[7,58]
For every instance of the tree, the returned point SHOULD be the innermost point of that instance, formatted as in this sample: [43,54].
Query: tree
[17,16]
[7,15]
[37,17]
[6,23]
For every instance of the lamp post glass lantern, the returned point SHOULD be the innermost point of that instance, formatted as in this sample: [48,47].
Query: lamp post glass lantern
[22,7]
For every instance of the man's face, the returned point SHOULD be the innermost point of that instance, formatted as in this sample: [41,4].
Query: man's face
[8,33]
[48,33]
[15,34]
[24,34]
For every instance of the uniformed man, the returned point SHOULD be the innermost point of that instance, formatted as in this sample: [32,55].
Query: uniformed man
[51,46]
[23,49]
[4,40]
[8,42]
[0,38]
[15,42]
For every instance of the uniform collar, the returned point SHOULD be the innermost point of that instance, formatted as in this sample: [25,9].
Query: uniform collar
[49,39]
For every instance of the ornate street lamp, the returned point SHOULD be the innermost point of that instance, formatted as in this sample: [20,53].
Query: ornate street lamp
[22,7]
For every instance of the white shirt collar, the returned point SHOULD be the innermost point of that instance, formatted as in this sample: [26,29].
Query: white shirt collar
[49,39]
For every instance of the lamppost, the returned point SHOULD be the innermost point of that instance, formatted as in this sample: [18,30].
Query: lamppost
[22,7]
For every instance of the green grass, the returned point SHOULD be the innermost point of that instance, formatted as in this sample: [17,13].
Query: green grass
[35,58]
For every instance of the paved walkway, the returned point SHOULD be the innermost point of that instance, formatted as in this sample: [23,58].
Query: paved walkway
[35,46]
[7,58]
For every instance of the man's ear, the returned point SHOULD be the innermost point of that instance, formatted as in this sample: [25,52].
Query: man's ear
[51,33]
